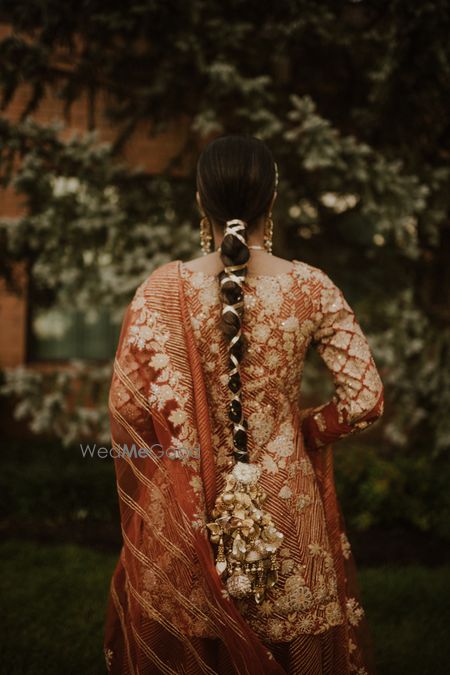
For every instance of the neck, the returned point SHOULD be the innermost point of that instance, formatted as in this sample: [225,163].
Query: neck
[254,240]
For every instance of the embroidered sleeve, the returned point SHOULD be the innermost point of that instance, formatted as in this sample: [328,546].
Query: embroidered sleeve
[358,399]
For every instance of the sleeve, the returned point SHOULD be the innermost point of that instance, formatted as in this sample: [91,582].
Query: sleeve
[358,400]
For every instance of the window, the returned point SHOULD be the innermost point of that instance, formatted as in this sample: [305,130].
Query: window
[60,335]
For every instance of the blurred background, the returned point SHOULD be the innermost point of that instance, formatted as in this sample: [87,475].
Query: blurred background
[104,110]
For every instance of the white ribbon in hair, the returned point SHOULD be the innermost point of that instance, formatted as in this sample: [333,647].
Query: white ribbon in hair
[234,227]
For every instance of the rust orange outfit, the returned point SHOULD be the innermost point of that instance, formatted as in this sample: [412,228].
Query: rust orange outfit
[169,611]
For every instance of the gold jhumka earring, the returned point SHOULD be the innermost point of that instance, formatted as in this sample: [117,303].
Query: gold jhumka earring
[268,225]
[205,235]
[268,233]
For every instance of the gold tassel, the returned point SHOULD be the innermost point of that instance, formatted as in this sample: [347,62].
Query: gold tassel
[247,538]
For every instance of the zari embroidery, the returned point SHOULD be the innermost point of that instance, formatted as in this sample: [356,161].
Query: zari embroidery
[162,574]
[280,326]
[147,339]
[108,657]
[354,611]
[280,321]
[146,333]
[346,353]
[345,544]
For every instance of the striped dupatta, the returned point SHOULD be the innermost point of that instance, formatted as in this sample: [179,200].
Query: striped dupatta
[160,607]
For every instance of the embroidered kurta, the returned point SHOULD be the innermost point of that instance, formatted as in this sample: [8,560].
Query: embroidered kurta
[168,610]
[283,316]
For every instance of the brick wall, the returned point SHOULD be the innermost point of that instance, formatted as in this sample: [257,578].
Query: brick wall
[151,153]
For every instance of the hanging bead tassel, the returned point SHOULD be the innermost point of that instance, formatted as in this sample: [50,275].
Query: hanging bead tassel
[248,540]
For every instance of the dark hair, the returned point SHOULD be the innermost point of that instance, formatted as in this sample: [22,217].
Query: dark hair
[236,180]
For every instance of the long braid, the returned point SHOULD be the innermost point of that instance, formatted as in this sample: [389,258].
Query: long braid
[235,254]
[237,176]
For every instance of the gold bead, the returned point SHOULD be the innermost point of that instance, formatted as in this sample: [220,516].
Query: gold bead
[268,233]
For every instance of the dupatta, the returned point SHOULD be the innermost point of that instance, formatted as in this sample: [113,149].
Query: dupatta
[167,611]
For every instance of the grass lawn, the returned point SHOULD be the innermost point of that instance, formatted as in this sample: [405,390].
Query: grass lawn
[54,599]
[408,609]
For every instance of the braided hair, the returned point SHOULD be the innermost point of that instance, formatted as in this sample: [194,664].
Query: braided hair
[236,180]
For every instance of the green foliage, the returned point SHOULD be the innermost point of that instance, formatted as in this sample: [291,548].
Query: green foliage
[410,490]
[68,403]
[77,192]
[353,100]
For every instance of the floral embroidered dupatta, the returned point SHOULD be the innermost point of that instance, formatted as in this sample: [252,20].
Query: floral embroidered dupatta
[166,611]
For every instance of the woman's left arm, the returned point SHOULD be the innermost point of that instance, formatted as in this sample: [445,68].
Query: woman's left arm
[358,400]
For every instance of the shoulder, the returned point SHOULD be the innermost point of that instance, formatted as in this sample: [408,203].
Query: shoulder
[311,275]
[324,294]
[166,271]
[157,280]
[205,263]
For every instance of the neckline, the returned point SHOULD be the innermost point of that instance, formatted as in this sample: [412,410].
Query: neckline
[249,277]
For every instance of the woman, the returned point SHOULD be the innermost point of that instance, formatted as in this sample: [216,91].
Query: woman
[235,557]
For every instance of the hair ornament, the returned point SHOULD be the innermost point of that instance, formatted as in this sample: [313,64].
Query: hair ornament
[247,538]
[234,227]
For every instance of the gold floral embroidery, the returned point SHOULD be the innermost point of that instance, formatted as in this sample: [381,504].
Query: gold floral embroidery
[345,351]
[333,613]
[290,324]
[261,424]
[301,599]
[266,608]
[303,500]
[159,361]
[306,623]
[269,464]
[305,466]
[321,423]
[282,445]
[354,611]
[285,492]
[345,544]
[196,483]
[282,316]
[108,657]
[199,523]
[178,417]
[275,628]
[261,332]
[192,616]
[315,549]
[146,333]
[287,566]
[351,646]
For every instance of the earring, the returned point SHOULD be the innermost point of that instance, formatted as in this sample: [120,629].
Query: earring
[205,235]
[268,233]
